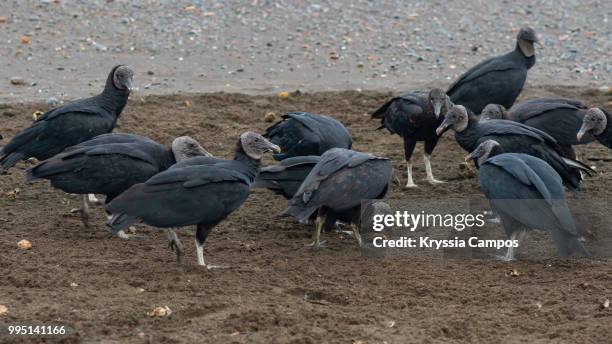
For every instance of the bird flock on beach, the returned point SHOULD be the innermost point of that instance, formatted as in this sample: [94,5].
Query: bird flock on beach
[523,153]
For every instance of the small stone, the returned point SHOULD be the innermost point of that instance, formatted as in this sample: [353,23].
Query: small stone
[24,244]
[100,47]
[25,39]
[160,312]
[2,19]
[3,310]
[283,95]
[270,117]
[36,114]
[74,285]
[605,304]
[150,72]
[16,80]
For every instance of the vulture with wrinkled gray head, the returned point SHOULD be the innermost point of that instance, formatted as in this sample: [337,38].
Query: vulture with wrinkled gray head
[335,188]
[513,137]
[527,194]
[497,80]
[415,116]
[110,163]
[193,194]
[559,117]
[72,123]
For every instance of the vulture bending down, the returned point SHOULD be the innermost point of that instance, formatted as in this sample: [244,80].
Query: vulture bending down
[415,116]
[336,186]
[301,133]
[497,80]
[558,117]
[193,194]
[72,123]
[527,194]
[109,164]
[286,177]
[513,137]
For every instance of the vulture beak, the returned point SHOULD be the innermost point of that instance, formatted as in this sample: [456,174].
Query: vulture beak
[442,128]
[537,42]
[583,130]
[437,107]
[275,148]
[129,84]
[470,156]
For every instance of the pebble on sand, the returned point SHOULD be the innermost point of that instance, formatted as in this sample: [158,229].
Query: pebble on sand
[24,244]
[3,310]
[270,117]
[283,95]
[17,80]
[160,312]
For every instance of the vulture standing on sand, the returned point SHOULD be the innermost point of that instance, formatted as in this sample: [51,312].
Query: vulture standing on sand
[497,80]
[110,163]
[335,188]
[560,118]
[513,137]
[415,116]
[527,194]
[597,123]
[286,177]
[72,123]
[301,133]
[191,194]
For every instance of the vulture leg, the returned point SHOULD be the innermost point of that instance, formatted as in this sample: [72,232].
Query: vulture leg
[518,235]
[83,210]
[200,252]
[316,235]
[357,234]
[175,244]
[201,235]
[429,147]
[409,145]
[430,177]
[122,234]
[93,200]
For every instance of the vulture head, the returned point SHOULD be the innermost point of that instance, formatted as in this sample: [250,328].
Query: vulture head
[525,39]
[186,147]
[594,122]
[439,101]
[493,111]
[123,78]
[255,145]
[456,118]
[484,151]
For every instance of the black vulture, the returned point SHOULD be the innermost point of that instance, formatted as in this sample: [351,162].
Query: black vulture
[72,123]
[191,194]
[335,188]
[527,194]
[560,118]
[415,116]
[286,177]
[497,80]
[598,124]
[110,163]
[513,137]
[302,133]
